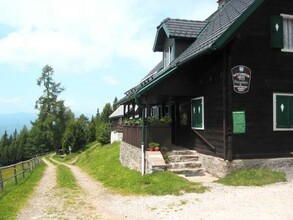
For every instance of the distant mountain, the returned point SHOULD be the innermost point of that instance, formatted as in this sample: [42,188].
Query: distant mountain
[10,122]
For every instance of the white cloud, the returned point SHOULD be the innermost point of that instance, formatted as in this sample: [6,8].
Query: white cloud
[110,80]
[73,36]
[78,36]
[9,100]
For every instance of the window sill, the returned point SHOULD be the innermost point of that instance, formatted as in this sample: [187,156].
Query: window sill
[197,128]
[283,129]
[287,50]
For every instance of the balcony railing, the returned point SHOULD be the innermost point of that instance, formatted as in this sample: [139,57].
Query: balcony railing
[160,133]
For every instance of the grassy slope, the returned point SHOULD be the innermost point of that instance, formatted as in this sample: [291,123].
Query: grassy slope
[15,197]
[102,162]
[253,177]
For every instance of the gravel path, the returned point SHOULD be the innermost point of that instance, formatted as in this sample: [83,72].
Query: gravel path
[222,202]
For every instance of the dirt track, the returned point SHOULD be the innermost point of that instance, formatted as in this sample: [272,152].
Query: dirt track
[93,201]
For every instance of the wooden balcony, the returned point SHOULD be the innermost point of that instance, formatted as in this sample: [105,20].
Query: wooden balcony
[160,133]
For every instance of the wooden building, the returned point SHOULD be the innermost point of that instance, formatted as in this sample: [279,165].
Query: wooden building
[226,82]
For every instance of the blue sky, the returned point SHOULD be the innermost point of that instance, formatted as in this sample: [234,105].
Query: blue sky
[98,49]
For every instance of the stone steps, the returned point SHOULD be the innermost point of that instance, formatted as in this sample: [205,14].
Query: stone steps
[188,171]
[182,158]
[184,162]
[182,152]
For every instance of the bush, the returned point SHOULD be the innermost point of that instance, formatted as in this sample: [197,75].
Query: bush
[104,132]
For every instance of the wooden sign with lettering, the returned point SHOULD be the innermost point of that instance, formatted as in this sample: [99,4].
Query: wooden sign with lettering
[241,77]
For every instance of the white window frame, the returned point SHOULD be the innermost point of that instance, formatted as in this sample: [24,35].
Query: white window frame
[288,17]
[169,56]
[203,122]
[275,111]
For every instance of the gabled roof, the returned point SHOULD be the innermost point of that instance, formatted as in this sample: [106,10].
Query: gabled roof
[220,28]
[118,112]
[177,28]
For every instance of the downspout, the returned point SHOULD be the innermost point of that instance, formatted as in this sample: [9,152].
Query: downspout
[225,101]
[142,135]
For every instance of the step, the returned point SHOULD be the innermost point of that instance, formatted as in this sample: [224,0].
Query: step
[188,171]
[187,164]
[182,158]
[182,152]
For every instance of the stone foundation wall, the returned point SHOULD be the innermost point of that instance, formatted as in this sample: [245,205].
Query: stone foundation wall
[220,168]
[130,156]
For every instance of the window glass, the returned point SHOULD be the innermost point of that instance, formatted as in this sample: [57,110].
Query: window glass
[288,33]
[197,113]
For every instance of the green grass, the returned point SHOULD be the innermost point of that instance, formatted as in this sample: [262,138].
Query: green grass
[65,178]
[102,162]
[253,177]
[15,196]
[6,173]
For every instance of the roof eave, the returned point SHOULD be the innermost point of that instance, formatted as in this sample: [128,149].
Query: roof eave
[161,30]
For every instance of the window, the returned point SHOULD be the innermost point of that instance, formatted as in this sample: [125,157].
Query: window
[283,112]
[288,32]
[169,55]
[155,112]
[197,113]
[282,32]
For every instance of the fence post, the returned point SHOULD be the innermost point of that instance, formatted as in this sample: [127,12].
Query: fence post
[15,174]
[1,182]
[23,171]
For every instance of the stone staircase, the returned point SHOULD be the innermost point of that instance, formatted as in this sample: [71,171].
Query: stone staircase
[184,162]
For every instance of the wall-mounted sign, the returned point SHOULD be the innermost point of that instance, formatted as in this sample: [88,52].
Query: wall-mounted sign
[239,122]
[241,77]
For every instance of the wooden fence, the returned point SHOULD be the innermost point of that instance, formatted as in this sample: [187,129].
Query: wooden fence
[14,170]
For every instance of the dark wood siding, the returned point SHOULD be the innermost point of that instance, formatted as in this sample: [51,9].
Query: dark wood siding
[272,71]
[196,79]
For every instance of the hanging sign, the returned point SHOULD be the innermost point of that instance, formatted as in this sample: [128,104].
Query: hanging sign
[241,77]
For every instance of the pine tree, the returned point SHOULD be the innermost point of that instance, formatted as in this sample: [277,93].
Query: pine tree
[103,132]
[50,126]
[115,104]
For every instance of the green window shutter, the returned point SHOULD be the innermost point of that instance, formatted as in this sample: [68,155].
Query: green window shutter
[291,112]
[277,39]
[283,111]
[197,113]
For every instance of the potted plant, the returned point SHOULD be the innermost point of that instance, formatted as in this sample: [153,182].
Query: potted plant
[157,147]
[164,150]
[151,146]
[166,120]
[166,158]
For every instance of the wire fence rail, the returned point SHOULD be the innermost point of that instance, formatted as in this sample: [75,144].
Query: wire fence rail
[18,169]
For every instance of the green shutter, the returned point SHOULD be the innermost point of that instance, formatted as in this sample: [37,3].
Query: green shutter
[283,111]
[291,112]
[277,40]
[197,113]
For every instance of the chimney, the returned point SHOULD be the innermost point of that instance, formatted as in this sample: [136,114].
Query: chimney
[222,3]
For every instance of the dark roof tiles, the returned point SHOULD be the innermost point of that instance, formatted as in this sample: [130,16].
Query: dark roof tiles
[183,28]
[217,25]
